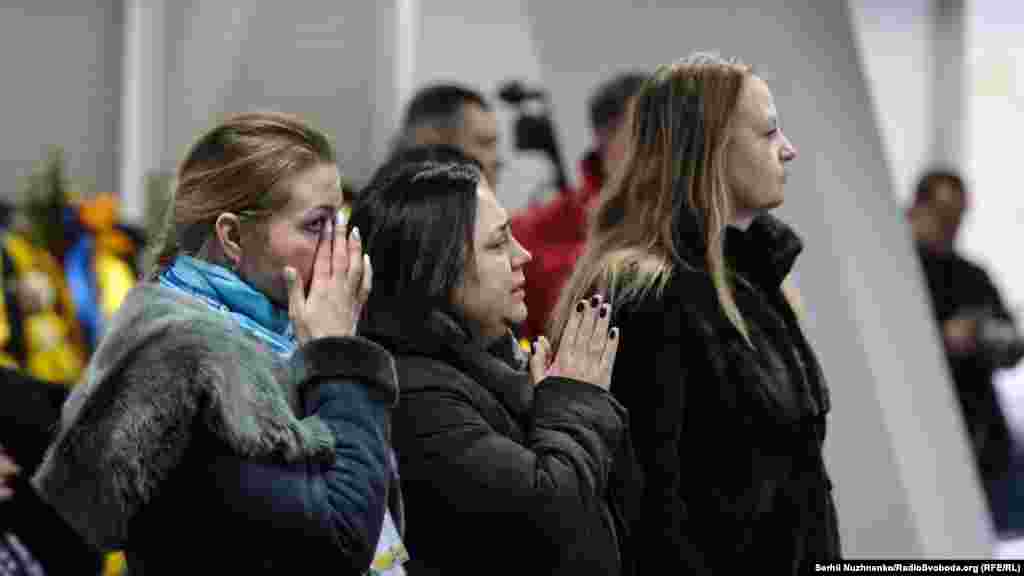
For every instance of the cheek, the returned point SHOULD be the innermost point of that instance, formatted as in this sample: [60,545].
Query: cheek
[296,250]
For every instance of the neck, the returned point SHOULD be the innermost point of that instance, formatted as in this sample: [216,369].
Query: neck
[484,336]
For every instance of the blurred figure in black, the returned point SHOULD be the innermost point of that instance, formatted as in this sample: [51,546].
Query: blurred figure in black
[454,115]
[978,332]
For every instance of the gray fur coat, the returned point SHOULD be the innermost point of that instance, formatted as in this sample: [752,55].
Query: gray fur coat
[170,365]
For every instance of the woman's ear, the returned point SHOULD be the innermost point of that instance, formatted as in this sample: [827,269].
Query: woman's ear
[227,229]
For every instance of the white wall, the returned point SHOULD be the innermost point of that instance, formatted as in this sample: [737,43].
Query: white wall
[992,233]
[896,44]
[311,58]
[61,67]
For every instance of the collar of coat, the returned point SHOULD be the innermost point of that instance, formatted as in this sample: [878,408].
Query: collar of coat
[167,364]
[502,367]
[763,254]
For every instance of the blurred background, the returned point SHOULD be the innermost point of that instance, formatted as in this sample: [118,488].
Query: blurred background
[102,98]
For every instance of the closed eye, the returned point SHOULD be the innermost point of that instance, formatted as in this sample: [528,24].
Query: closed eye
[315,226]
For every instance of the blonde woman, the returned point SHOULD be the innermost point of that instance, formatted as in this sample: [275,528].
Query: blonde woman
[231,419]
[727,401]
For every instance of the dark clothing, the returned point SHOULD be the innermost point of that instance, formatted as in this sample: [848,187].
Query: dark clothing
[554,233]
[498,476]
[729,436]
[960,287]
[29,414]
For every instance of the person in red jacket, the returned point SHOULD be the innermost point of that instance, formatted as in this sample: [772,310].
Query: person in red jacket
[554,232]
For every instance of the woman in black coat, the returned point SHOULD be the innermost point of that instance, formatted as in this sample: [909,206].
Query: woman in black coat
[503,470]
[726,397]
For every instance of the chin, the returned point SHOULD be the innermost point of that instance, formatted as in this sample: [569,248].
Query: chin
[518,316]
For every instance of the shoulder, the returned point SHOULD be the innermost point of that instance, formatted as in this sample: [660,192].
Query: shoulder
[653,286]
[418,373]
[165,330]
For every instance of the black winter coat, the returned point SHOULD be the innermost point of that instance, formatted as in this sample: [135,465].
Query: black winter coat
[729,436]
[499,477]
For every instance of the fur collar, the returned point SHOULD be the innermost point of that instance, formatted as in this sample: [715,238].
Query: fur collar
[168,363]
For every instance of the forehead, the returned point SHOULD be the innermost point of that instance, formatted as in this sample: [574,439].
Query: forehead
[756,103]
[315,186]
[490,215]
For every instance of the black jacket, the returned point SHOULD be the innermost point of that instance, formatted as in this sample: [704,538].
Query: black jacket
[959,287]
[29,415]
[729,436]
[498,477]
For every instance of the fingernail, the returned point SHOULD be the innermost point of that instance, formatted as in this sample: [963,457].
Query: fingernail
[533,347]
[594,301]
[614,333]
[579,306]
[339,218]
[289,274]
[355,233]
[603,311]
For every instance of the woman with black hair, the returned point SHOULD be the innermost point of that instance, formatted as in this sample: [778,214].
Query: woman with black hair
[503,469]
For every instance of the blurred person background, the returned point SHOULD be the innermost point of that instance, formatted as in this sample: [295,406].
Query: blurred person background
[875,92]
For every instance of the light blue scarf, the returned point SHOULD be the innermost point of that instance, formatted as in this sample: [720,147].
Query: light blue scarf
[222,290]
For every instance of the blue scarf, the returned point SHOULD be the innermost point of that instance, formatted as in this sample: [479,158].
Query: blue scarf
[221,289]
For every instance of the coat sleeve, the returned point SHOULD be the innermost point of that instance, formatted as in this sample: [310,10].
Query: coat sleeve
[333,509]
[559,472]
[652,376]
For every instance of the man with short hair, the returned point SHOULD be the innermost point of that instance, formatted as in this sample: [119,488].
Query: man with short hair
[456,115]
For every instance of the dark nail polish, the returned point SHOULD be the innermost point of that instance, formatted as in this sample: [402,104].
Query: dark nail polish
[604,311]
[614,333]
[594,301]
[579,306]
[533,347]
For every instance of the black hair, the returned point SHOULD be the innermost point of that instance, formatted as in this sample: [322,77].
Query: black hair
[440,103]
[608,102]
[417,217]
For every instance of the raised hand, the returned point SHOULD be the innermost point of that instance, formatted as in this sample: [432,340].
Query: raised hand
[341,282]
[587,349]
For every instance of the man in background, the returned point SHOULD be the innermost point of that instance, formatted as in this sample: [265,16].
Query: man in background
[977,330]
[455,115]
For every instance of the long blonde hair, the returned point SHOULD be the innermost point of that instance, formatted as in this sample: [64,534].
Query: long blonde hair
[675,165]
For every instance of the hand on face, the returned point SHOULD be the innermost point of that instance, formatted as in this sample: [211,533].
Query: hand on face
[340,284]
[587,350]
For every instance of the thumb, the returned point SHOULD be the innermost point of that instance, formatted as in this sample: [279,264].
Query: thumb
[537,364]
[540,359]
